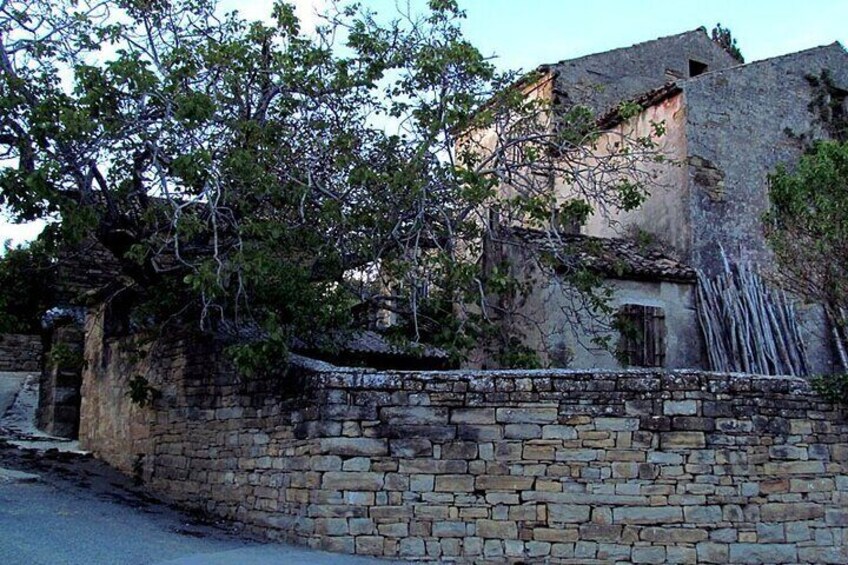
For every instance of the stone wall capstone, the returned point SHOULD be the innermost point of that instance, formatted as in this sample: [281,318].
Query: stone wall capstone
[20,352]
[482,467]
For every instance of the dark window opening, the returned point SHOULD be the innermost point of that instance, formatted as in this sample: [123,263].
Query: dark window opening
[696,68]
[642,329]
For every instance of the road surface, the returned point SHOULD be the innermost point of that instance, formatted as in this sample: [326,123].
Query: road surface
[58,507]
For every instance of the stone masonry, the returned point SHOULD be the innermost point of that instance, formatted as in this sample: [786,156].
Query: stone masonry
[20,352]
[482,467]
[58,411]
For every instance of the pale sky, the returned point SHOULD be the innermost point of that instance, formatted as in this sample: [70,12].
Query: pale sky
[523,34]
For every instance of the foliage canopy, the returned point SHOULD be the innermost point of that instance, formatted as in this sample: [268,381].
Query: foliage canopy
[807,227]
[263,181]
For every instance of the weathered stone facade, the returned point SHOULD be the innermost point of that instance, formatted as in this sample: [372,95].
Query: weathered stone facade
[20,352]
[602,80]
[483,467]
[726,130]
[742,123]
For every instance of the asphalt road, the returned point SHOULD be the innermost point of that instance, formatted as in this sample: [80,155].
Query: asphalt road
[65,508]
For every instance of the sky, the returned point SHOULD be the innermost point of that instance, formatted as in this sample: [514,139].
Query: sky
[522,34]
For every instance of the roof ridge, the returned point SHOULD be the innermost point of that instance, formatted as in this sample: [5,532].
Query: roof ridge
[700,29]
[766,60]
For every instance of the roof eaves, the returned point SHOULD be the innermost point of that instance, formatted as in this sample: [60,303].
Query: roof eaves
[614,117]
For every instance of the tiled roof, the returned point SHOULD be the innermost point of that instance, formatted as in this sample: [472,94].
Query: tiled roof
[615,258]
[613,117]
[372,343]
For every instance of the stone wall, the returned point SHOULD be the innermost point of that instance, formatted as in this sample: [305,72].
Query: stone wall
[20,352]
[741,124]
[508,466]
[58,411]
[602,80]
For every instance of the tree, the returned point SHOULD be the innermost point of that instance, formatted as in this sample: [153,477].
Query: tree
[807,227]
[243,173]
[26,289]
[725,39]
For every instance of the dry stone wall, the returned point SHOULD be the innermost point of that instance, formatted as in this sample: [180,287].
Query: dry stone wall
[484,467]
[20,352]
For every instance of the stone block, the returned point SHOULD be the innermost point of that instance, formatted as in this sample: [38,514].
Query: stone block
[503,483]
[522,431]
[837,517]
[625,470]
[791,512]
[340,480]
[617,424]
[811,485]
[412,547]
[459,450]
[798,531]
[357,464]
[692,423]
[710,552]
[421,483]
[680,555]
[787,452]
[369,545]
[823,555]
[411,447]
[585,550]
[414,415]
[600,532]
[575,455]
[680,407]
[479,432]
[472,416]
[763,553]
[555,535]
[562,550]
[361,526]
[493,548]
[449,529]
[673,535]
[614,552]
[497,529]
[396,530]
[568,513]
[555,431]
[513,548]
[653,554]
[535,452]
[683,440]
[535,415]
[359,498]
[433,466]
[702,514]
[785,468]
[537,549]
[647,515]
[454,483]
[451,547]
[331,526]
[472,546]
[348,447]
[770,533]
[342,544]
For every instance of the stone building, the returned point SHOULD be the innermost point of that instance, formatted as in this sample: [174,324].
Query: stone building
[727,127]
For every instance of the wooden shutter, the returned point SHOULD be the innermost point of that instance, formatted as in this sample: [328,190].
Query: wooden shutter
[642,342]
